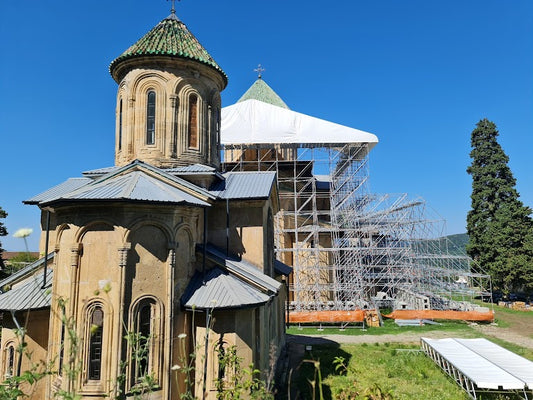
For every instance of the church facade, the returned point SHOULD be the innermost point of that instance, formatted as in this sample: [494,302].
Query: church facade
[161,263]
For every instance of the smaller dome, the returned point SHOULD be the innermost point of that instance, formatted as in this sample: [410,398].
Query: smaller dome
[168,38]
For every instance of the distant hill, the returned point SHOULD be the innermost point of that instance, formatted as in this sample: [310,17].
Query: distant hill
[459,242]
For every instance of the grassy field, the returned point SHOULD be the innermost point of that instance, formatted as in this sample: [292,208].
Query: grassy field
[400,371]
[389,328]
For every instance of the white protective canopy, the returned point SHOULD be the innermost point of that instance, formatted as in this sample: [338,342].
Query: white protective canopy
[257,122]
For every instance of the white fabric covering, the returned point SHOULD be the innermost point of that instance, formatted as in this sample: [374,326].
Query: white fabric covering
[256,122]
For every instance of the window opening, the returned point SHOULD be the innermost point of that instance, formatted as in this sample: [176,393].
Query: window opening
[193,121]
[150,118]
[10,360]
[144,333]
[95,343]
[120,126]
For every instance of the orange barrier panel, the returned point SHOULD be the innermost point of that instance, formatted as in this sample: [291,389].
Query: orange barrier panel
[326,316]
[440,314]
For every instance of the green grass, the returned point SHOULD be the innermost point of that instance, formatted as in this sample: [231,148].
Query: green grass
[389,328]
[399,370]
[404,375]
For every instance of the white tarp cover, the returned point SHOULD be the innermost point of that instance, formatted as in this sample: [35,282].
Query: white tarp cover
[257,122]
[486,364]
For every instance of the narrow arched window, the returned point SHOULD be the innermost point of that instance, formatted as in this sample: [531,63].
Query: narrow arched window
[95,343]
[61,349]
[10,360]
[193,121]
[150,118]
[120,125]
[144,334]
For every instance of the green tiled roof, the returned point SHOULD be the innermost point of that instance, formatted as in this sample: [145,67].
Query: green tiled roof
[169,38]
[262,92]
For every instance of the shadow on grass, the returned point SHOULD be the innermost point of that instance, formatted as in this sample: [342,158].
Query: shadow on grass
[309,365]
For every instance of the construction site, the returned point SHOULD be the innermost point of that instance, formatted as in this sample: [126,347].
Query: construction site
[351,250]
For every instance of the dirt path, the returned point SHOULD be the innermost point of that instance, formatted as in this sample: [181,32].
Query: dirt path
[506,334]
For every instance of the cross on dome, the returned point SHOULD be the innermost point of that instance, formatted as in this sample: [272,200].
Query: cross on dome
[173,9]
[259,71]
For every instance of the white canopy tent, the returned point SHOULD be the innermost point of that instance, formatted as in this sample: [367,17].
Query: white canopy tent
[257,122]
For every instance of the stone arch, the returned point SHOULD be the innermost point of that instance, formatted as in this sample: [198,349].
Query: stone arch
[147,262]
[139,223]
[80,234]
[185,258]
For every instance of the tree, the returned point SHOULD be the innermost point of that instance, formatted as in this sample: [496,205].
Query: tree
[499,226]
[3,232]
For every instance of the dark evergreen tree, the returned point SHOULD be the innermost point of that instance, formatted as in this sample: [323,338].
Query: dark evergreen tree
[3,232]
[499,225]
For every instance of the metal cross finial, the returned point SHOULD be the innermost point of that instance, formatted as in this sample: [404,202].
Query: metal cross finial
[259,71]
[173,9]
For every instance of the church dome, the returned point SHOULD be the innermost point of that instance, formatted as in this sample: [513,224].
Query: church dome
[169,38]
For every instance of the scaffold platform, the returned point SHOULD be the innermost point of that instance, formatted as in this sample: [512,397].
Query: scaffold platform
[478,365]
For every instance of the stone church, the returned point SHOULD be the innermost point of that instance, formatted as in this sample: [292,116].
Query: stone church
[161,247]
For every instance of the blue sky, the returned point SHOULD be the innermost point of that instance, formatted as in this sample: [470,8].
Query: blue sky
[419,74]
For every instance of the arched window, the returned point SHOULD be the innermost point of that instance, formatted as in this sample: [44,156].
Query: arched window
[120,125]
[96,331]
[143,337]
[150,118]
[9,360]
[193,121]
[145,351]
[61,349]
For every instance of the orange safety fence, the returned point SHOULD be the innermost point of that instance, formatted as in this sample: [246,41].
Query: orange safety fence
[326,316]
[441,314]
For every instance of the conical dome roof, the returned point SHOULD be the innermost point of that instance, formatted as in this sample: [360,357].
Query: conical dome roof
[168,38]
[262,92]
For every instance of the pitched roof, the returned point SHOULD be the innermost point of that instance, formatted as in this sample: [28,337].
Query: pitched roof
[136,181]
[28,292]
[243,269]
[262,92]
[232,283]
[245,185]
[59,190]
[221,290]
[169,38]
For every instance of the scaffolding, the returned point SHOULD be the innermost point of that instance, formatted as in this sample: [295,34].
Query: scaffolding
[350,248]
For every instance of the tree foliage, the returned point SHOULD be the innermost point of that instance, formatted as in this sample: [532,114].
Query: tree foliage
[499,225]
[3,232]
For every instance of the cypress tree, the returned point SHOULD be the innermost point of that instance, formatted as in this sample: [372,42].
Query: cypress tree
[499,225]
[3,232]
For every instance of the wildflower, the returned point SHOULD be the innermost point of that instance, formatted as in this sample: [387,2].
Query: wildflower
[182,336]
[105,285]
[175,367]
[23,232]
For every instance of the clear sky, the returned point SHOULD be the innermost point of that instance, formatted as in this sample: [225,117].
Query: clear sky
[417,73]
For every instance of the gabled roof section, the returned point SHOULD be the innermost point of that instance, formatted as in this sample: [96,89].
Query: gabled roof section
[136,181]
[262,92]
[26,271]
[256,122]
[245,185]
[232,283]
[243,269]
[59,190]
[28,292]
[221,290]
[95,173]
[169,38]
